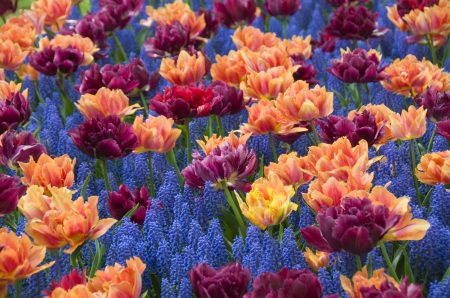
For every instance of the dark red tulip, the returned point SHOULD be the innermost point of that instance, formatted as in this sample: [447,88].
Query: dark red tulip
[117,14]
[326,42]
[20,147]
[286,283]
[104,138]
[8,7]
[306,72]
[14,112]
[355,226]
[339,3]
[437,104]
[229,281]
[227,100]
[43,61]
[235,13]
[292,137]
[68,281]
[11,190]
[49,61]
[405,6]
[389,290]
[356,23]
[443,129]
[212,24]
[282,8]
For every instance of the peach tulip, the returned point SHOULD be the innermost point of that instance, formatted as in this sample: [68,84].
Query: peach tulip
[22,35]
[11,55]
[78,291]
[434,168]
[316,260]
[299,45]
[7,89]
[229,68]
[188,69]
[215,141]
[410,124]
[56,11]
[396,19]
[27,70]
[253,38]
[290,170]
[361,280]
[266,58]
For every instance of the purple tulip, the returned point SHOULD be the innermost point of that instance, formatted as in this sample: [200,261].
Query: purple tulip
[43,61]
[235,13]
[356,23]
[443,129]
[306,72]
[104,138]
[212,24]
[117,14]
[14,112]
[119,203]
[405,6]
[389,290]
[20,147]
[326,42]
[286,283]
[227,100]
[229,281]
[10,192]
[292,137]
[358,67]
[362,127]
[355,226]
[222,164]
[437,104]
[8,7]
[278,8]
[49,61]
[339,3]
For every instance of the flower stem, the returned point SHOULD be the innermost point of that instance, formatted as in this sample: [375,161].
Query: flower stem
[267,22]
[105,175]
[430,143]
[313,128]
[388,260]
[67,103]
[432,48]
[358,262]
[188,140]
[358,103]
[413,163]
[144,103]
[284,23]
[298,203]
[150,170]
[202,3]
[236,211]
[38,93]
[123,56]
[274,150]
[170,155]
[355,44]
[280,234]
[366,88]
[220,125]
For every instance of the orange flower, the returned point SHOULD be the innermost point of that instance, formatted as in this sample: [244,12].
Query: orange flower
[156,134]
[396,19]
[215,141]
[263,118]
[34,204]
[266,58]
[47,171]
[78,291]
[290,170]
[316,260]
[7,89]
[229,68]
[268,84]
[11,55]
[112,281]
[27,70]
[361,280]
[410,76]
[56,11]
[300,103]
[253,38]
[18,259]
[106,102]
[434,168]
[22,35]
[68,222]
[28,18]
[188,69]
[410,124]
[299,45]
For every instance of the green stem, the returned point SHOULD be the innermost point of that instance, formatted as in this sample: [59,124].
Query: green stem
[432,49]
[18,287]
[413,163]
[220,125]
[313,128]
[359,100]
[366,88]
[150,170]
[358,262]
[267,23]
[388,261]
[188,140]
[105,175]
[311,139]
[284,23]
[144,103]
[355,44]
[298,203]
[67,103]
[202,3]
[274,150]
[270,230]
[120,48]
[170,155]
[280,234]
[237,212]
[189,2]
[430,143]
[38,93]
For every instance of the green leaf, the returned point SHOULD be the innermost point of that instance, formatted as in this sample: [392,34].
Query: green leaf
[342,100]
[85,184]
[99,250]
[261,167]
[369,265]
[141,36]
[128,214]
[396,259]
[85,7]
[231,223]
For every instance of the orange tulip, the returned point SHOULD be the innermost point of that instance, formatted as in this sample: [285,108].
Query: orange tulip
[119,281]
[396,19]
[78,291]
[215,141]
[11,55]
[7,90]
[316,260]
[84,44]
[263,118]
[22,35]
[28,18]
[56,11]
[47,171]
[253,38]
[299,45]
[156,134]
[19,259]
[266,58]
[434,168]
[410,124]
[188,69]
[410,76]
[290,170]
[229,68]
[361,280]
[300,103]
[268,84]
[34,204]
[106,102]
[27,70]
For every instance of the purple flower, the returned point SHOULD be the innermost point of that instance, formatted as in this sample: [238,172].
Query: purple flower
[235,13]
[326,42]
[104,138]
[119,203]
[116,14]
[8,7]
[222,164]
[229,281]
[20,147]
[10,192]
[14,112]
[388,290]
[354,23]
[362,127]
[443,129]
[212,24]
[227,100]
[49,61]
[306,72]
[437,104]
[286,283]
[278,8]
[292,137]
[405,6]
[339,3]
[355,226]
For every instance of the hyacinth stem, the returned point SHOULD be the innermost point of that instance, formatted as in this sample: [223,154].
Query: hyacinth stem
[220,125]
[284,23]
[170,155]
[105,175]
[413,163]
[274,150]
[388,261]
[150,170]
[188,140]
[358,262]
[280,233]
[313,128]
[432,49]
[144,103]
[123,56]
[430,143]
[237,212]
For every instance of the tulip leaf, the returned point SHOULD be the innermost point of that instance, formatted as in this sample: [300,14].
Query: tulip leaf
[141,36]
[342,100]
[99,251]
[85,184]
[408,269]
[396,259]
[85,7]
[230,224]
[128,214]
[369,265]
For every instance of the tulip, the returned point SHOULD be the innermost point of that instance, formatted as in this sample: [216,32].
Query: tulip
[8,89]
[434,168]
[404,7]
[361,280]
[212,23]
[117,14]
[268,203]
[388,289]
[75,292]
[396,18]
[104,138]
[306,72]
[43,61]
[298,45]
[326,42]
[339,3]
[9,7]
[14,112]
[356,226]
[316,260]
[229,69]
[215,141]
[119,280]
[186,70]
[11,55]
[230,281]
[443,129]
[253,38]
[49,62]
[75,41]
[290,138]
[68,282]
[27,71]
[235,13]
[119,203]
[266,58]
[23,257]
[35,203]
[354,23]
[56,12]
[410,124]
[10,192]
[24,36]
[20,147]
[286,283]
[290,170]
[282,8]
[227,100]
[436,103]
